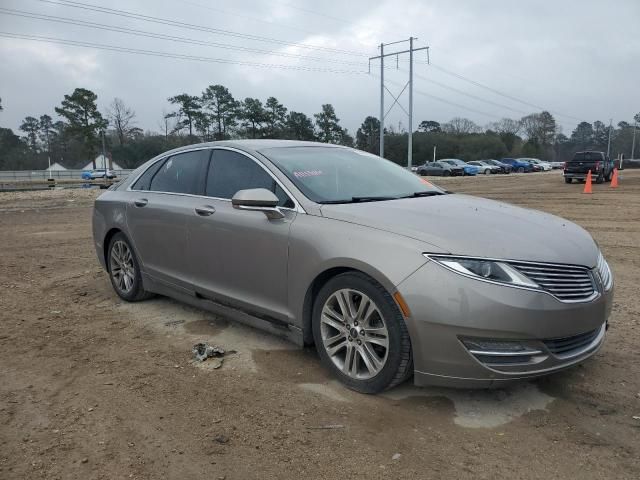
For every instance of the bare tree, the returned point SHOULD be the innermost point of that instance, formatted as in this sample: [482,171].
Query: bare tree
[461,126]
[122,119]
[506,126]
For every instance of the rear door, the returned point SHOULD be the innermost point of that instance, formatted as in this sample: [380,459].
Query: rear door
[240,257]
[162,200]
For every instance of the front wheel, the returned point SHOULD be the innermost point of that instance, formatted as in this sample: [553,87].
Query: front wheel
[567,180]
[360,334]
[520,169]
[487,171]
[446,173]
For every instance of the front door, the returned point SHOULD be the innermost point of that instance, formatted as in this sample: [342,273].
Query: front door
[240,257]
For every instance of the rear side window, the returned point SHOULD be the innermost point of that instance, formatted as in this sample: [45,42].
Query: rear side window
[144,182]
[230,172]
[181,173]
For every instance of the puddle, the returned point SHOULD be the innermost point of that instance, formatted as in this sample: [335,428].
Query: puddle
[481,408]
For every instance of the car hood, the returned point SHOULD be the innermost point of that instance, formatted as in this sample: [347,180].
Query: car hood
[466,225]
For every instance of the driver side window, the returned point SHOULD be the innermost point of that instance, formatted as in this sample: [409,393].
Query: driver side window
[231,171]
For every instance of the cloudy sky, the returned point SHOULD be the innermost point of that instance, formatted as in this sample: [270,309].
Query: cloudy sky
[576,58]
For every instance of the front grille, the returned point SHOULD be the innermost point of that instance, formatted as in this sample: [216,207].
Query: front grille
[568,346]
[565,282]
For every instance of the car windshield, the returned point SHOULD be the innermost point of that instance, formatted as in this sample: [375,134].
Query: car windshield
[345,175]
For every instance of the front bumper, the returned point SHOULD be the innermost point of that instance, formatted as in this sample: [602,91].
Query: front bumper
[447,308]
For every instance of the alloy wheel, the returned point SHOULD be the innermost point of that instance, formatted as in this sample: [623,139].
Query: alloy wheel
[121,266]
[354,334]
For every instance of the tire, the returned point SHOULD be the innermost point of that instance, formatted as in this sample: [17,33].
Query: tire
[520,169]
[487,171]
[446,173]
[600,178]
[131,290]
[567,180]
[392,364]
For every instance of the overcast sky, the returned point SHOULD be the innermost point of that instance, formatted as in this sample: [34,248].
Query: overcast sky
[576,58]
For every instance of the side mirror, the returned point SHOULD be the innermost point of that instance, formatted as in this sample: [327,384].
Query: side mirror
[258,199]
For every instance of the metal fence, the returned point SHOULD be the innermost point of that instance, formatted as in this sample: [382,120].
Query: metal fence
[31,175]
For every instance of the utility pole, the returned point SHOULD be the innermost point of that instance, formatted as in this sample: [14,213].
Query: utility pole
[382,100]
[609,141]
[633,143]
[434,152]
[409,84]
[410,141]
[104,157]
[48,150]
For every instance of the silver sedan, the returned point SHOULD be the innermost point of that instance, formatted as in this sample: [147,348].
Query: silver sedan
[388,275]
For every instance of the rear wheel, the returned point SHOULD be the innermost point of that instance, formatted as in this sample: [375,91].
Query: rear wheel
[567,180]
[124,270]
[487,171]
[360,334]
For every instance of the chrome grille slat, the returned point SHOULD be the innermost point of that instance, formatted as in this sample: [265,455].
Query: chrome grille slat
[565,282]
[564,346]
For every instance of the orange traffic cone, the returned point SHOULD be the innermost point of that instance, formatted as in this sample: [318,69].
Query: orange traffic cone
[587,185]
[614,179]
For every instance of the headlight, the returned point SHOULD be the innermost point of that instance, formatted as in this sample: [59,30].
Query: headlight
[482,269]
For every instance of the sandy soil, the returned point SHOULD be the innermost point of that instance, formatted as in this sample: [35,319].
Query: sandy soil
[94,388]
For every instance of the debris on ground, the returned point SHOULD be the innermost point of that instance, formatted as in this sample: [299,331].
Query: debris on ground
[326,427]
[173,323]
[203,351]
[396,456]
[222,439]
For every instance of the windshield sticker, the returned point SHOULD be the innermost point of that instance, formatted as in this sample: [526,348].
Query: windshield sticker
[308,173]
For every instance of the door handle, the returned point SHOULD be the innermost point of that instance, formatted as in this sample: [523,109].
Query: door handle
[140,202]
[205,210]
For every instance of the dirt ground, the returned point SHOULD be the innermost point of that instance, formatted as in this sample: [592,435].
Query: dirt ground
[91,387]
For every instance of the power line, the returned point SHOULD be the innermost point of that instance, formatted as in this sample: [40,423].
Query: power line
[248,17]
[497,92]
[155,53]
[142,33]
[466,94]
[190,26]
[443,100]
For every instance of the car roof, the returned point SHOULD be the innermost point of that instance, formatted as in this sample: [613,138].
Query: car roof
[254,145]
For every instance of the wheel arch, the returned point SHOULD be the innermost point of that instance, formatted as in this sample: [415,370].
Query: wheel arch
[321,279]
[105,244]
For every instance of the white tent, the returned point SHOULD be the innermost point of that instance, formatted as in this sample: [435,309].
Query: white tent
[56,166]
[102,162]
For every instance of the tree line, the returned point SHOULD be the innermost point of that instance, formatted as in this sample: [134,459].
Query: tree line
[75,137]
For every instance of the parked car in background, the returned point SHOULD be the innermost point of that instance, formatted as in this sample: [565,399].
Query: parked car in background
[440,169]
[544,166]
[600,165]
[517,165]
[98,173]
[468,169]
[484,167]
[557,165]
[504,167]
[387,275]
